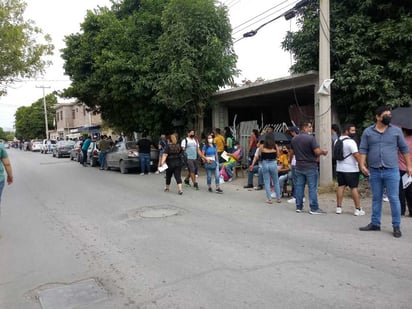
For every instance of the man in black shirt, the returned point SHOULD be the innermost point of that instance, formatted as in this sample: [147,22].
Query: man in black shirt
[144,147]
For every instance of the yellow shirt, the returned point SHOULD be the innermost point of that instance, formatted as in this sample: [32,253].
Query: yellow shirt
[284,160]
[220,143]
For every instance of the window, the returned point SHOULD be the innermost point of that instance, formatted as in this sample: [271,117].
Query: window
[61,115]
[73,114]
[57,116]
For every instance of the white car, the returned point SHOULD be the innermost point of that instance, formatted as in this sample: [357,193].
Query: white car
[36,146]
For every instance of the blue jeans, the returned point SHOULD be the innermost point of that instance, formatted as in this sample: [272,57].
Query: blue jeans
[84,157]
[389,179]
[270,171]
[209,175]
[144,160]
[307,176]
[102,159]
[293,171]
[250,174]
[283,179]
[228,168]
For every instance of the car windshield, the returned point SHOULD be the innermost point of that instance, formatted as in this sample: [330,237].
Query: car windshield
[131,145]
[66,143]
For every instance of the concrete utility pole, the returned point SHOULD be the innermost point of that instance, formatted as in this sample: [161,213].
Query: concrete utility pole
[324,110]
[45,111]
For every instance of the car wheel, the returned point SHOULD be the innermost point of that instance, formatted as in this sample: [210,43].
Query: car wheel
[59,155]
[123,168]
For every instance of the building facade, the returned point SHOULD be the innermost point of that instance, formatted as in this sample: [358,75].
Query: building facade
[74,120]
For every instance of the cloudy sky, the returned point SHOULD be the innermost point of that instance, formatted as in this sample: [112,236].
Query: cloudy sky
[258,56]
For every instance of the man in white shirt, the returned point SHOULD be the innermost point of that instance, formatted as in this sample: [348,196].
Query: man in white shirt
[347,170]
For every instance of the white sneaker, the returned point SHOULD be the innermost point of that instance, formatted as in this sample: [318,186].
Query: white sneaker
[141,174]
[293,200]
[385,199]
[338,210]
[273,195]
[359,212]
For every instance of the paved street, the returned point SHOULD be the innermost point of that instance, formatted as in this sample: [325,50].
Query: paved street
[63,225]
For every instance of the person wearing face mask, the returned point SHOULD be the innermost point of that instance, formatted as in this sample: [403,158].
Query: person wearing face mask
[347,170]
[210,155]
[379,145]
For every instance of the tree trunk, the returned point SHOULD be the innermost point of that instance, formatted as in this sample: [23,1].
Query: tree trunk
[199,125]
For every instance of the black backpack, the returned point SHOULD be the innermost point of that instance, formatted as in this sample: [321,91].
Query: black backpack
[337,153]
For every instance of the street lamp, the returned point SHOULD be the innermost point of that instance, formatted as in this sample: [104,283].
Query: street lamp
[45,111]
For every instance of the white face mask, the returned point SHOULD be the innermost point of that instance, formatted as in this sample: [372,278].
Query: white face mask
[235,147]
[210,140]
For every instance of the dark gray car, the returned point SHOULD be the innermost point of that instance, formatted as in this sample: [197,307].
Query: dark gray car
[124,156]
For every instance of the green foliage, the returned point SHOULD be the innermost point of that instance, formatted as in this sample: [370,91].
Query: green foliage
[143,64]
[20,55]
[371,58]
[30,122]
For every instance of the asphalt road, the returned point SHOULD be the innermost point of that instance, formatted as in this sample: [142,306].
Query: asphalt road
[63,224]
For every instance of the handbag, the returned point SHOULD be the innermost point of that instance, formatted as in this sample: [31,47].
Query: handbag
[211,166]
[183,158]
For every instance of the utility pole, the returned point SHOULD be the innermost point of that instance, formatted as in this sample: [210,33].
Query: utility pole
[45,110]
[324,108]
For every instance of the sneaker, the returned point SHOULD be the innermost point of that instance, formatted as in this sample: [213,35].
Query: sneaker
[317,212]
[210,189]
[339,210]
[370,227]
[157,172]
[359,212]
[385,199]
[258,188]
[292,200]
[180,192]
[195,186]
[299,210]
[248,186]
[218,190]
[397,232]
[230,179]
[187,183]
[141,174]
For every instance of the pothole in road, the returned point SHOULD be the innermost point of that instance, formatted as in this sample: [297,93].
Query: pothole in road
[71,295]
[159,211]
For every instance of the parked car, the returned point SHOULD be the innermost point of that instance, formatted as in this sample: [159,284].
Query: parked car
[36,146]
[125,157]
[93,154]
[63,149]
[45,146]
[76,152]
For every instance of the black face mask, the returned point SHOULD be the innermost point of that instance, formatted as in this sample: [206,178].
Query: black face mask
[386,119]
[353,135]
[192,135]
[285,151]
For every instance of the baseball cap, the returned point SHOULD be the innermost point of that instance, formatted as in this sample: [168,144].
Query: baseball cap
[294,129]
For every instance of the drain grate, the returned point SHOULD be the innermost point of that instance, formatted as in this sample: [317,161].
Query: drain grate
[72,295]
[160,211]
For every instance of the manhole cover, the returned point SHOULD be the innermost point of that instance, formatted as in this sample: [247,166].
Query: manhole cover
[162,211]
[72,295]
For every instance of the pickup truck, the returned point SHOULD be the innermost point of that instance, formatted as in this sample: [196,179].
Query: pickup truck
[44,147]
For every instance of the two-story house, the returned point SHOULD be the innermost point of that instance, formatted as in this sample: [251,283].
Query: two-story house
[74,120]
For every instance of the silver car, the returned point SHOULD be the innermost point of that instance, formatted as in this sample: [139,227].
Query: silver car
[124,156]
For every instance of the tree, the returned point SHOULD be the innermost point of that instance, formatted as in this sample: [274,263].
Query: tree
[30,123]
[372,63]
[195,57]
[122,63]
[20,55]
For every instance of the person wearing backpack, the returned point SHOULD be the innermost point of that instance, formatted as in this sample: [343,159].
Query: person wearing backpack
[346,154]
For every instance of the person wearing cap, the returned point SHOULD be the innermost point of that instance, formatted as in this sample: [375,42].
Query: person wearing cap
[379,145]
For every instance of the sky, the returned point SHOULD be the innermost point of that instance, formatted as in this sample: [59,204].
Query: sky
[258,56]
